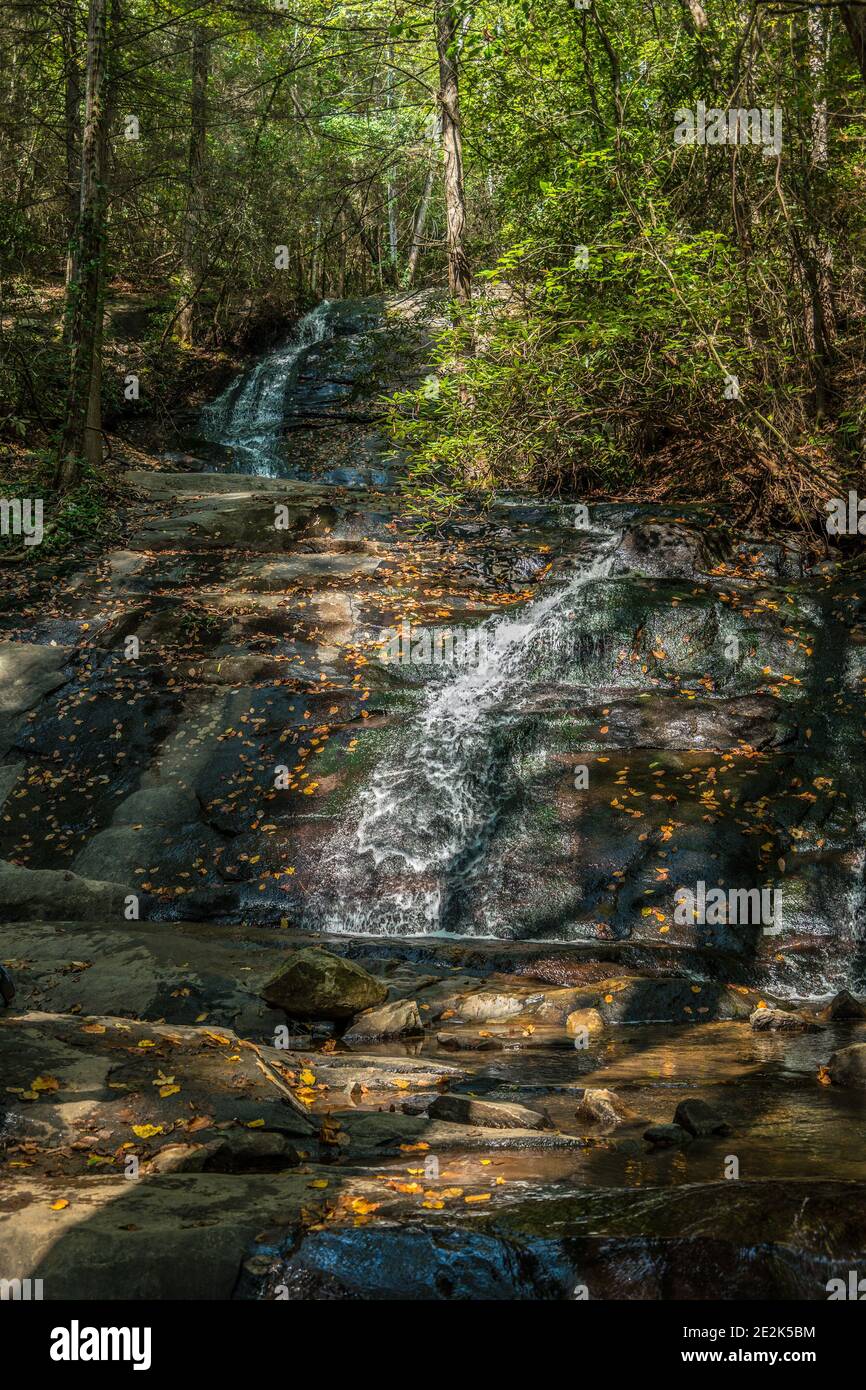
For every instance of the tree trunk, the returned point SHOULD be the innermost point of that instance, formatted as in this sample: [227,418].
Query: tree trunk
[459,277]
[854,19]
[421,216]
[72,130]
[192,249]
[818,32]
[390,186]
[82,430]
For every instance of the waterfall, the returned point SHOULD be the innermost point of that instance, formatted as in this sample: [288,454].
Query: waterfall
[432,800]
[247,418]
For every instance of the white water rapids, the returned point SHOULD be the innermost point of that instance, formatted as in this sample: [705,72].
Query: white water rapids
[429,805]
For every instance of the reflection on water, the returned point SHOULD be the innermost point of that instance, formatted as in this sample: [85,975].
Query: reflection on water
[784,1123]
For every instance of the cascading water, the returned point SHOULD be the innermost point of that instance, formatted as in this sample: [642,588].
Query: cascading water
[247,418]
[429,807]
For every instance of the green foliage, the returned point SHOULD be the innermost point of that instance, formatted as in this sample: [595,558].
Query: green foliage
[703,263]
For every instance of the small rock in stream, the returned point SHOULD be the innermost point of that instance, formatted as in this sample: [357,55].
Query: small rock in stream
[584,1024]
[602,1107]
[700,1119]
[847,1067]
[389,1021]
[487,1114]
[842,1006]
[780,1021]
[316,984]
[667,1136]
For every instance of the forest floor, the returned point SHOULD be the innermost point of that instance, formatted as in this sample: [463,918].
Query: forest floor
[465,1115]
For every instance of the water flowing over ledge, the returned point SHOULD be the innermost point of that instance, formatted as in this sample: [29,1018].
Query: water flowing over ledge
[429,805]
[247,418]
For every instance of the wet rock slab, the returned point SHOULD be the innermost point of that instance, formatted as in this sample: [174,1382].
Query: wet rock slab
[731,1240]
[28,672]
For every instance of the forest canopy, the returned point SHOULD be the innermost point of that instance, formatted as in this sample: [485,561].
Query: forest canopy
[650,220]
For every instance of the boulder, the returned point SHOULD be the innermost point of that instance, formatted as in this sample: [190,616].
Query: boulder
[847,1067]
[650,547]
[584,1023]
[486,1114]
[842,1006]
[489,1005]
[34,895]
[316,984]
[602,1107]
[162,805]
[669,999]
[700,1119]
[27,672]
[9,774]
[389,1021]
[667,1136]
[555,1005]
[780,1021]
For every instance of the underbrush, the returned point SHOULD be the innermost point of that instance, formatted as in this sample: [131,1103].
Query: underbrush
[597,402]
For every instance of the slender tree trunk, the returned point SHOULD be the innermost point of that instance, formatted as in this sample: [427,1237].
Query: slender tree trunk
[459,276]
[390,187]
[192,249]
[82,430]
[72,130]
[418,229]
[421,215]
[341,282]
[817,27]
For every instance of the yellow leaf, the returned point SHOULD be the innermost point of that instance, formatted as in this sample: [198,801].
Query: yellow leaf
[255,1124]
[146,1131]
[59,1204]
[45,1083]
[477,1197]
[363,1207]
